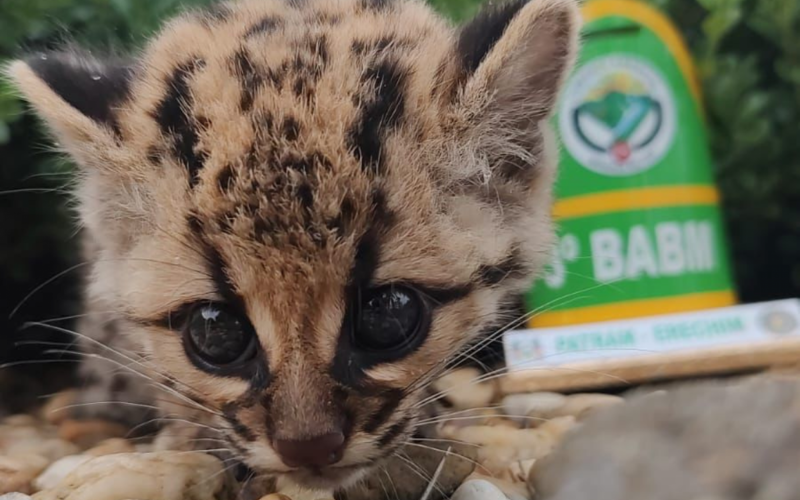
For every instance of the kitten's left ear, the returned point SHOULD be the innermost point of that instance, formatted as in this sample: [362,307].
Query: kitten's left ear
[518,55]
[74,92]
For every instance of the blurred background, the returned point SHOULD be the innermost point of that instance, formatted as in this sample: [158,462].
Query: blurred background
[748,57]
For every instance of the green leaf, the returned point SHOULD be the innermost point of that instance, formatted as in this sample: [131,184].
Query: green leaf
[5,133]
[10,105]
[720,22]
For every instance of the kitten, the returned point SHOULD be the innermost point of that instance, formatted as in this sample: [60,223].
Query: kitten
[300,210]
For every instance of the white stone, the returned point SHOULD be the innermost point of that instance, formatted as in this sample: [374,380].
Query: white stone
[28,462]
[581,405]
[464,390]
[12,436]
[58,470]
[519,470]
[292,491]
[478,489]
[498,447]
[151,476]
[112,446]
[514,490]
[50,448]
[15,496]
[22,420]
[535,441]
[532,409]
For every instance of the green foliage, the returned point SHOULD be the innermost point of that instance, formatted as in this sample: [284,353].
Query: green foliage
[106,25]
[38,231]
[457,10]
[748,56]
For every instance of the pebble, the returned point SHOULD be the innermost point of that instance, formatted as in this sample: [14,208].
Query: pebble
[15,437]
[519,470]
[536,441]
[154,476]
[56,410]
[478,489]
[17,473]
[557,427]
[58,470]
[532,409]
[581,405]
[294,492]
[22,421]
[462,392]
[176,436]
[470,417]
[500,447]
[495,421]
[51,449]
[110,447]
[11,437]
[88,433]
[507,442]
[513,490]
[145,448]
[531,480]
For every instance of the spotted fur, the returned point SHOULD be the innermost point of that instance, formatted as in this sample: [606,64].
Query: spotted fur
[277,155]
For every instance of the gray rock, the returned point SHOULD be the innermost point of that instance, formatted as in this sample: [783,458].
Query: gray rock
[709,440]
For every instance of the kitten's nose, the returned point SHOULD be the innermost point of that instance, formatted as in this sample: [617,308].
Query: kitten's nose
[316,452]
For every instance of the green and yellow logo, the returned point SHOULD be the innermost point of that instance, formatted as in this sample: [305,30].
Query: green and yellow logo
[617,116]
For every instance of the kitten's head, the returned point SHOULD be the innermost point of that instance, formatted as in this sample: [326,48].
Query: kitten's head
[308,207]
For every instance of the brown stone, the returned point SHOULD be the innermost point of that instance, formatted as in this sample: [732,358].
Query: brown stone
[581,405]
[89,433]
[110,447]
[17,473]
[56,410]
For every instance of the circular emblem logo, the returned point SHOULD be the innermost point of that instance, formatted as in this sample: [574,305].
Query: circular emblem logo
[617,116]
[778,322]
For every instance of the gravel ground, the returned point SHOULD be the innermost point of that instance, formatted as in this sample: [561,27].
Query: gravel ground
[714,440]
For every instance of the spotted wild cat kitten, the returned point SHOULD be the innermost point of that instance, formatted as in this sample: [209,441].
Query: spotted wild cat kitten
[299,210]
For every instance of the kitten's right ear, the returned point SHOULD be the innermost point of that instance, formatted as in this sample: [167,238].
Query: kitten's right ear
[75,93]
[517,54]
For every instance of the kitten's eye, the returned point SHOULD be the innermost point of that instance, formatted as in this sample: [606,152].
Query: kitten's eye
[218,335]
[388,317]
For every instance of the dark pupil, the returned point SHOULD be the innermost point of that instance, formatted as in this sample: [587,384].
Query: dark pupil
[218,336]
[389,318]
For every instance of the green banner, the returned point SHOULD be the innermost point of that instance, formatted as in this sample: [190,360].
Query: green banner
[640,226]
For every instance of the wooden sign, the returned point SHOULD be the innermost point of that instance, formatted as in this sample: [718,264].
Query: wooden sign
[616,353]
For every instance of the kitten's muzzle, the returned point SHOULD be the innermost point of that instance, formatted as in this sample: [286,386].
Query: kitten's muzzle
[317,452]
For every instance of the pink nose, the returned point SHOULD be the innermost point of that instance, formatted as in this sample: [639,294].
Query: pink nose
[316,452]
